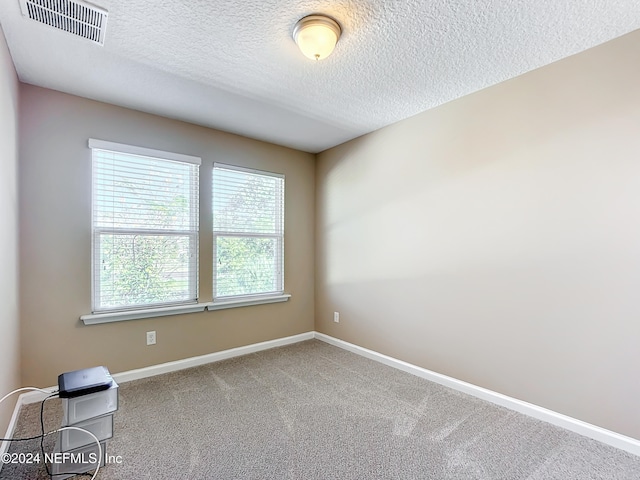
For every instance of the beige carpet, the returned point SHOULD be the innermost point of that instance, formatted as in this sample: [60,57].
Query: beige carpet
[314,411]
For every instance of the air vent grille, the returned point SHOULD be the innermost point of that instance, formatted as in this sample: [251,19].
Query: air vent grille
[79,18]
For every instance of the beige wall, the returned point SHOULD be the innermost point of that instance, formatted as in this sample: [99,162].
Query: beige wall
[55,240]
[496,238]
[9,326]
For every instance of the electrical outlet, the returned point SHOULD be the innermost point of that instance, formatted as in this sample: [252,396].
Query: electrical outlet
[336,317]
[151,338]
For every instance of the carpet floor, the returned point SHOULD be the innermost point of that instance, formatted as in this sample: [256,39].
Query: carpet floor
[314,411]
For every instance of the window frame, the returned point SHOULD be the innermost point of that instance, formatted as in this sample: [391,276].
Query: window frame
[278,295]
[153,311]
[125,312]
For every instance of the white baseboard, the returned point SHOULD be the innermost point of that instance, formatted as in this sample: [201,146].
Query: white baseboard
[608,437]
[11,428]
[153,370]
[600,434]
[209,358]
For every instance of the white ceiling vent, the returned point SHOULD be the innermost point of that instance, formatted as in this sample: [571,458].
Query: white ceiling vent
[76,17]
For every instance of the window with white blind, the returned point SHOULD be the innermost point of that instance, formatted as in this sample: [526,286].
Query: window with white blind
[145,227]
[248,232]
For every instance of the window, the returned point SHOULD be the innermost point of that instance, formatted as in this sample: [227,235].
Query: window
[248,232]
[145,227]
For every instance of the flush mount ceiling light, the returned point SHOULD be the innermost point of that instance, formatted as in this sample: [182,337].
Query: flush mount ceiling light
[316,36]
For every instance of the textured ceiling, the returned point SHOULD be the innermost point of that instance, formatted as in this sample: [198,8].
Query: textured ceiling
[233,65]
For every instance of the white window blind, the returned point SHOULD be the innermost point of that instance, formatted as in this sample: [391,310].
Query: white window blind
[248,232]
[145,227]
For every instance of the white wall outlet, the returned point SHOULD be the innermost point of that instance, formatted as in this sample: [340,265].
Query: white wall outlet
[151,338]
[336,317]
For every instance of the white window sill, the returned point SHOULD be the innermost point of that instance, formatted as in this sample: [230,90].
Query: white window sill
[247,301]
[96,318]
